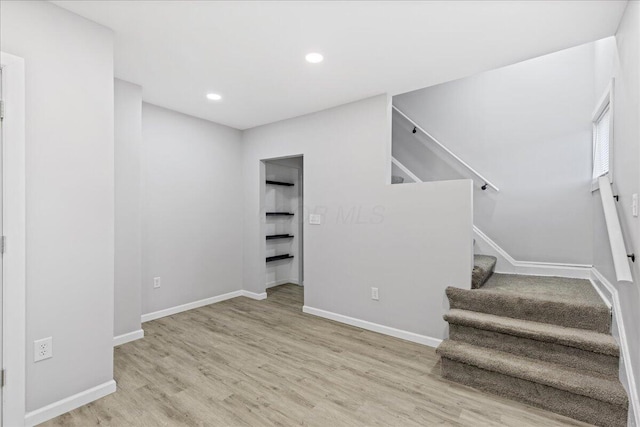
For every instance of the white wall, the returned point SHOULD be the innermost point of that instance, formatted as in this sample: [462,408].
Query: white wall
[410,241]
[621,61]
[70,195]
[192,209]
[526,127]
[128,225]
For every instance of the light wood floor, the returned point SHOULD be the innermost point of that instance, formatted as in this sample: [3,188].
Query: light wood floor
[259,363]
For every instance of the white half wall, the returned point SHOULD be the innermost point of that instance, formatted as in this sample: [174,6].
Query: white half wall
[527,128]
[128,225]
[69,195]
[192,209]
[409,241]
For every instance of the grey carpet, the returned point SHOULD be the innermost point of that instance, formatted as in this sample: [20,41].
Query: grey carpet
[571,337]
[545,341]
[562,402]
[560,289]
[571,357]
[483,266]
[591,385]
[572,313]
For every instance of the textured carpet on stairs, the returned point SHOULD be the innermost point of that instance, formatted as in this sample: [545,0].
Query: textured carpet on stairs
[544,341]
[566,302]
[588,397]
[577,348]
[483,266]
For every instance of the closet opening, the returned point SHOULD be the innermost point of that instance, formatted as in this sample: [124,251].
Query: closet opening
[283,202]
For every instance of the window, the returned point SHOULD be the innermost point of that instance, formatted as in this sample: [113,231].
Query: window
[601,133]
[602,137]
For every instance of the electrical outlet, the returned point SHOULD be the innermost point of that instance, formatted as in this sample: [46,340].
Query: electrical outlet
[156,282]
[374,294]
[634,204]
[42,349]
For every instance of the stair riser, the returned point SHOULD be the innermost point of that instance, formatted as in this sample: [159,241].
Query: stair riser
[571,316]
[479,278]
[559,401]
[482,270]
[539,350]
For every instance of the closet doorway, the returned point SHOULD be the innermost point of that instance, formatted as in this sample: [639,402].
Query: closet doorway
[284,227]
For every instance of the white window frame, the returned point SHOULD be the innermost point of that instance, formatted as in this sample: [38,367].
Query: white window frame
[606,100]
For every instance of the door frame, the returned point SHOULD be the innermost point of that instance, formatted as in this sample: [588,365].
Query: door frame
[301,212]
[14,228]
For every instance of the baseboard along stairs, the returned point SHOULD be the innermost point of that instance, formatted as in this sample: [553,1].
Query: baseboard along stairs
[543,341]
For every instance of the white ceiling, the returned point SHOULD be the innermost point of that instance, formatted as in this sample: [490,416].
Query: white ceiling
[252,53]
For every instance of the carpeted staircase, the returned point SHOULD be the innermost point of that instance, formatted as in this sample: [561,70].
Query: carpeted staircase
[544,341]
[483,266]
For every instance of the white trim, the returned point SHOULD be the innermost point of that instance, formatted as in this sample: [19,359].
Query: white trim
[508,265]
[627,377]
[442,146]
[281,282]
[605,296]
[14,226]
[200,303]
[375,327]
[189,306]
[254,295]
[405,169]
[614,231]
[125,338]
[69,403]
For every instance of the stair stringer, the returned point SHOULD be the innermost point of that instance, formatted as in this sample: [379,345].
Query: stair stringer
[609,293]
[508,265]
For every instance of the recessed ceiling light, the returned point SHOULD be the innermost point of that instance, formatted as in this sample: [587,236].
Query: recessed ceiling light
[214,96]
[314,57]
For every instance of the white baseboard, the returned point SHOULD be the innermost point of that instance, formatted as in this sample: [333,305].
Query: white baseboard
[68,404]
[508,265]
[190,306]
[281,282]
[375,327]
[201,303]
[254,295]
[610,294]
[125,338]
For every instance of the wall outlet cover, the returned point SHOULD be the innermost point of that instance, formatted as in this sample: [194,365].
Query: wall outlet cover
[374,294]
[315,219]
[156,282]
[42,349]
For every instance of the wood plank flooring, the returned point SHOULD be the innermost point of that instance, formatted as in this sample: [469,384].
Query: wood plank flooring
[264,363]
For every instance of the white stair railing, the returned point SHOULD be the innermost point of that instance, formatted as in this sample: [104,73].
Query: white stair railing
[416,126]
[616,238]
[406,170]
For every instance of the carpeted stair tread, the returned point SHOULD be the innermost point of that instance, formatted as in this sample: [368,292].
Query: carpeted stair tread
[559,354]
[578,338]
[535,306]
[598,387]
[483,266]
[592,411]
[548,288]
